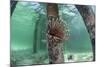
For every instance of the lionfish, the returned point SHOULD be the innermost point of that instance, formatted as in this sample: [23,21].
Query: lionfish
[57,31]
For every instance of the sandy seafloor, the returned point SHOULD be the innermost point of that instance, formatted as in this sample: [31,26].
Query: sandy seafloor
[26,58]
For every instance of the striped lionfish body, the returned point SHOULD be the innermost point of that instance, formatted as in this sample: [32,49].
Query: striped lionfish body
[57,30]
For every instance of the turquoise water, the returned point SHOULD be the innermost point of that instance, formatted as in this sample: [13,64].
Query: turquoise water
[28,34]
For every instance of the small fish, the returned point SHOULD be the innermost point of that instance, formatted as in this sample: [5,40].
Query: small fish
[44,40]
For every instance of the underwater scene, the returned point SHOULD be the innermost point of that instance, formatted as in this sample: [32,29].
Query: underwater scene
[50,33]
